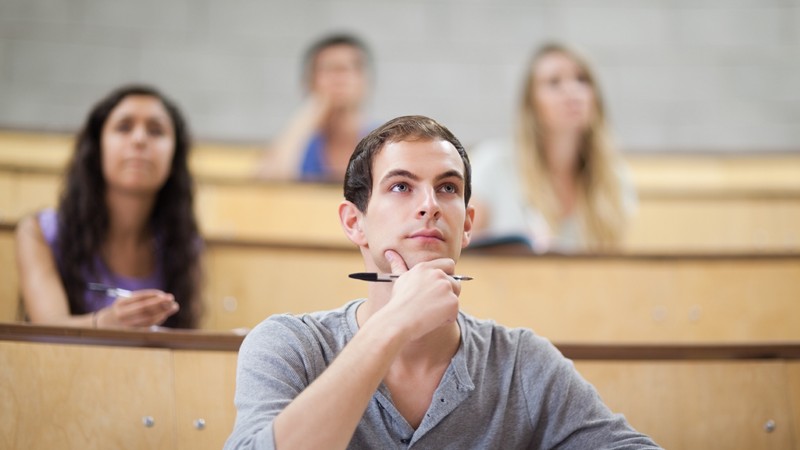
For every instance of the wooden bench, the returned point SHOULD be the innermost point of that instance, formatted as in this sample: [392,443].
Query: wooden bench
[83,388]
[654,172]
[306,214]
[613,298]
[724,298]
[688,203]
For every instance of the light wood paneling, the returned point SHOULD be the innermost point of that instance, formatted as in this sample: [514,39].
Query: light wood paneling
[793,375]
[26,192]
[697,224]
[87,397]
[249,283]
[616,299]
[51,152]
[291,213]
[584,299]
[715,173]
[652,172]
[680,299]
[306,214]
[9,279]
[67,388]
[204,386]
[699,404]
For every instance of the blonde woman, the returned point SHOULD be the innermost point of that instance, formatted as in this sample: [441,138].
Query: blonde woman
[560,185]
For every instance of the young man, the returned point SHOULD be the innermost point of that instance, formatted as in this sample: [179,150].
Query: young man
[404,368]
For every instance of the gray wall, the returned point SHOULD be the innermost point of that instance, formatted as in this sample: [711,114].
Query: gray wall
[678,75]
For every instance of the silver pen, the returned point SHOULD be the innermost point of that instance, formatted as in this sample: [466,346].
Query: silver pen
[110,291]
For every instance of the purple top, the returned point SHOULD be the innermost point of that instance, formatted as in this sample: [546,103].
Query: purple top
[96,300]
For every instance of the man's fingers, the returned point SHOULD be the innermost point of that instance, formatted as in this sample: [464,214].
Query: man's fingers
[396,261]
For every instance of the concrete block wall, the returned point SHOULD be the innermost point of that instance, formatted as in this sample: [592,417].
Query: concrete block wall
[678,75]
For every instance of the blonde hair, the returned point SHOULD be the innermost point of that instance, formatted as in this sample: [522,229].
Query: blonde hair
[599,204]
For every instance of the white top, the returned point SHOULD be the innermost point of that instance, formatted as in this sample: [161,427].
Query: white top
[497,184]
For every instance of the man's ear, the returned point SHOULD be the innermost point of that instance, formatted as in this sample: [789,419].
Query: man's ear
[351,219]
[469,218]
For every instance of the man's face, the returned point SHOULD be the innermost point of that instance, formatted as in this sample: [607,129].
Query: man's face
[417,203]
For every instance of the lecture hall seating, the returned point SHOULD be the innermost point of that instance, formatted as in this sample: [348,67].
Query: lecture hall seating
[140,389]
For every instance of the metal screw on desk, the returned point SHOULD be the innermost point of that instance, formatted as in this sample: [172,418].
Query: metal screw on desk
[769,427]
[148,421]
[200,424]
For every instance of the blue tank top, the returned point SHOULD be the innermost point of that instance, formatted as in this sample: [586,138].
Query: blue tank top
[314,166]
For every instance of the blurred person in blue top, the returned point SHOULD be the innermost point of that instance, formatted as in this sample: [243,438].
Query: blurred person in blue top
[317,143]
[559,184]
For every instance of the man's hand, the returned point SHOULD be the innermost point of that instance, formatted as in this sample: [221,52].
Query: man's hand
[423,298]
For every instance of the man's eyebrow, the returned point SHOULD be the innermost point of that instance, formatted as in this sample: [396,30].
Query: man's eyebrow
[400,173]
[406,174]
[450,174]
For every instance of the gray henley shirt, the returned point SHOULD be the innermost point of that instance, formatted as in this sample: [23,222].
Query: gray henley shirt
[504,389]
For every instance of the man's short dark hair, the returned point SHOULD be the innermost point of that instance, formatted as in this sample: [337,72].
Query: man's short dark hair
[358,178]
[332,40]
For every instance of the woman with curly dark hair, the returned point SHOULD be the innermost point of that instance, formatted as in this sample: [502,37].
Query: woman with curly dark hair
[123,249]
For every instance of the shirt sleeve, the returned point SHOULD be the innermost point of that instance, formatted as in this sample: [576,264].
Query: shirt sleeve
[277,360]
[566,410]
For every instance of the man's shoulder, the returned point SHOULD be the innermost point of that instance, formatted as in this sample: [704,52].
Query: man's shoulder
[487,335]
[289,326]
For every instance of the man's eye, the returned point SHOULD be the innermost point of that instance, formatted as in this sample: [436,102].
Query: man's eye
[400,187]
[449,188]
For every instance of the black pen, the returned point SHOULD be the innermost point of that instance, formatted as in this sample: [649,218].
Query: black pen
[388,277]
[110,291]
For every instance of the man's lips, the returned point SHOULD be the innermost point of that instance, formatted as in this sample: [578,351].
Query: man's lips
[428,234]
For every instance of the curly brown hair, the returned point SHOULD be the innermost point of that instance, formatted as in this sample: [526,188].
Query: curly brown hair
[83,216]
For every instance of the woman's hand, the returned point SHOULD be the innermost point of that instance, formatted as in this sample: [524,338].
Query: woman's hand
[143,308]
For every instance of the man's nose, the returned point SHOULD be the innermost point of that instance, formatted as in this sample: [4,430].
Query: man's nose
[429,206]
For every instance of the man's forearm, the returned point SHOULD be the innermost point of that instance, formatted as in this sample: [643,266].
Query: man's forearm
[327,412]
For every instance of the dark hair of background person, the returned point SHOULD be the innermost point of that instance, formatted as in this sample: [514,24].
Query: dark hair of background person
[332,40]
[84,218]
[358,179]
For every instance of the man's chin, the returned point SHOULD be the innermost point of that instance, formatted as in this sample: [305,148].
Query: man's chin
[423,256]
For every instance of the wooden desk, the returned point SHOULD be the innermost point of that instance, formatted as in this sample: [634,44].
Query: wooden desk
[82,388]
[689,203]
[9,278]
[306,214]
[586,299]
[50,152]
[653,172]
[96,389]
[619,299]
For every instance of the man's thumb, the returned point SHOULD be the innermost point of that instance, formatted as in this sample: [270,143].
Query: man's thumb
[396,261]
